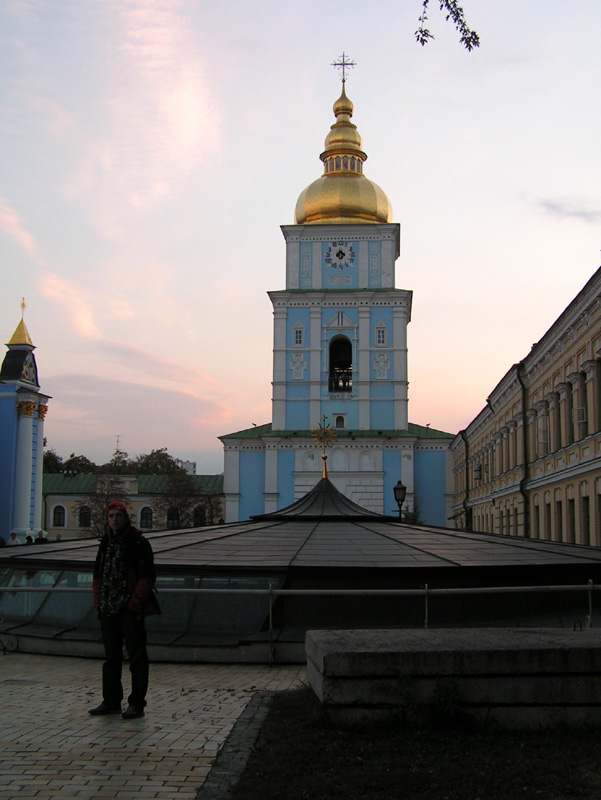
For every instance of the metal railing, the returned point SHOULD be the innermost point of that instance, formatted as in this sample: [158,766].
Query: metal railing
[426,592]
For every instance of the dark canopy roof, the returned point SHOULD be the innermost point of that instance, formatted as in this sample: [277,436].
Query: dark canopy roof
[324,501]
[322,530]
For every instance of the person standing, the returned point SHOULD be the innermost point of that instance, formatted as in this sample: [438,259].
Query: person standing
[123,585]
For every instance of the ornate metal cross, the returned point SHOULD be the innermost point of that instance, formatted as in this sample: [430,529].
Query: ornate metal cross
[343,64]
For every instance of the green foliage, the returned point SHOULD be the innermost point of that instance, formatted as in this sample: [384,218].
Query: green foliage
[52,461]
[158,462]
[454,12]
[80,464]
[120,464]
[413,516]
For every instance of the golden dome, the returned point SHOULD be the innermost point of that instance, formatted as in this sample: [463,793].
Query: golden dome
[343,194]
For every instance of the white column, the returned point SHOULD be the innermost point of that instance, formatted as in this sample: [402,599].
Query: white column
[37,503]
[22,496]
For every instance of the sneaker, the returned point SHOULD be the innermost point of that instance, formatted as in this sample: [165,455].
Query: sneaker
[131,712]
[104,709]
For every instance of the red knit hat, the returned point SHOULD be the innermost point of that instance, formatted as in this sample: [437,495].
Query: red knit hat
[118,505]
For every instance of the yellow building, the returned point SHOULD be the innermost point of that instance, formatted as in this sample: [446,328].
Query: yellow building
[68,514]
[530,463]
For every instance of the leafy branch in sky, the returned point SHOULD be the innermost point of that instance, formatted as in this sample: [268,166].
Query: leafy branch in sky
[454,12]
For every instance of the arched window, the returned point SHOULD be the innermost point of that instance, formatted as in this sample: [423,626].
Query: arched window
[146,517]
[85,517]
[173,518]
[337,162]
[345,162]
[341,365]
[58,517]
[199,517]
[340,421]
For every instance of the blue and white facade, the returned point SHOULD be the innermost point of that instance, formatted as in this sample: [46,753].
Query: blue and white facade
[22,411]
[340,358]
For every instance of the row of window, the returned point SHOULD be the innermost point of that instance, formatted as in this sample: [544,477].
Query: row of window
[558,521]
[344,163]
[562,418]
[146,515]
[298,335]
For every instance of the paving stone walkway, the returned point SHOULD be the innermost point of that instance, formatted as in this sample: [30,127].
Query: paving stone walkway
[51,747]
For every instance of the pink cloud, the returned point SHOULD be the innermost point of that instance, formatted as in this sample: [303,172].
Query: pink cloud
[11,224]
[77,308]
[162,121]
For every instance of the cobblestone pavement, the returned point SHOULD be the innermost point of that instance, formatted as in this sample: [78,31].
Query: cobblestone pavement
[51,747]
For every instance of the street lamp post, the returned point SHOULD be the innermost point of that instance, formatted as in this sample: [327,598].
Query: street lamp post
[400,492]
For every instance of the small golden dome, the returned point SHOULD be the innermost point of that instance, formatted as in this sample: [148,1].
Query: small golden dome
[343,194]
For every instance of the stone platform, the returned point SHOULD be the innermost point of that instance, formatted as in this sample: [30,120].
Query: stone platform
[518,677]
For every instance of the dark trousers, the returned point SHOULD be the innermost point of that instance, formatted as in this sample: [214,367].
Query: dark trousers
[124,627]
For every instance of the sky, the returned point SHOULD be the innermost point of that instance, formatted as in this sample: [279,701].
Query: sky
[150,150]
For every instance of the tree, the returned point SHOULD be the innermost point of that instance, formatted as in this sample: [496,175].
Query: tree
[179,500]
[158,462]
[79,464]
[454,12]
[120,464]
[108,488]
[412,516]
[53,463]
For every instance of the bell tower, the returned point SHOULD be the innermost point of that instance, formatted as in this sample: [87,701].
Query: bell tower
[340,332]
[340,355]
[22,412]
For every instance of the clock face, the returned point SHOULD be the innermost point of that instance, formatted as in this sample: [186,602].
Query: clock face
[340,255]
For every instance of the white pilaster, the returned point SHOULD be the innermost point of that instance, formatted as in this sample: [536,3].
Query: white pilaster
[364,369]
[279,367]
[231,483]
[37,503]
[271,476]
[23,471]
[315,370]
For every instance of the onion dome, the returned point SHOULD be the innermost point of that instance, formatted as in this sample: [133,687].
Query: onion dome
[343,194]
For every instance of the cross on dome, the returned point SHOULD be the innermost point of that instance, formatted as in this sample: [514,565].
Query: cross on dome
[343,64]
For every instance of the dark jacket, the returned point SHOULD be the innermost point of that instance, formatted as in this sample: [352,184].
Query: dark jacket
[141,574]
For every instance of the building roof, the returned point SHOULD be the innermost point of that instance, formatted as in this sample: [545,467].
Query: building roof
[325,530]
[76,483]
[414,431]
[157,484]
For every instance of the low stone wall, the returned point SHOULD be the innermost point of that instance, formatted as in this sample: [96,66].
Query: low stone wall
[520,678]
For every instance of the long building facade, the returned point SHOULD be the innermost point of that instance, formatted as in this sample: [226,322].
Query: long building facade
[530,463]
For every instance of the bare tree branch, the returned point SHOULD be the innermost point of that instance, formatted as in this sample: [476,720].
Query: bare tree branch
[454,12]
